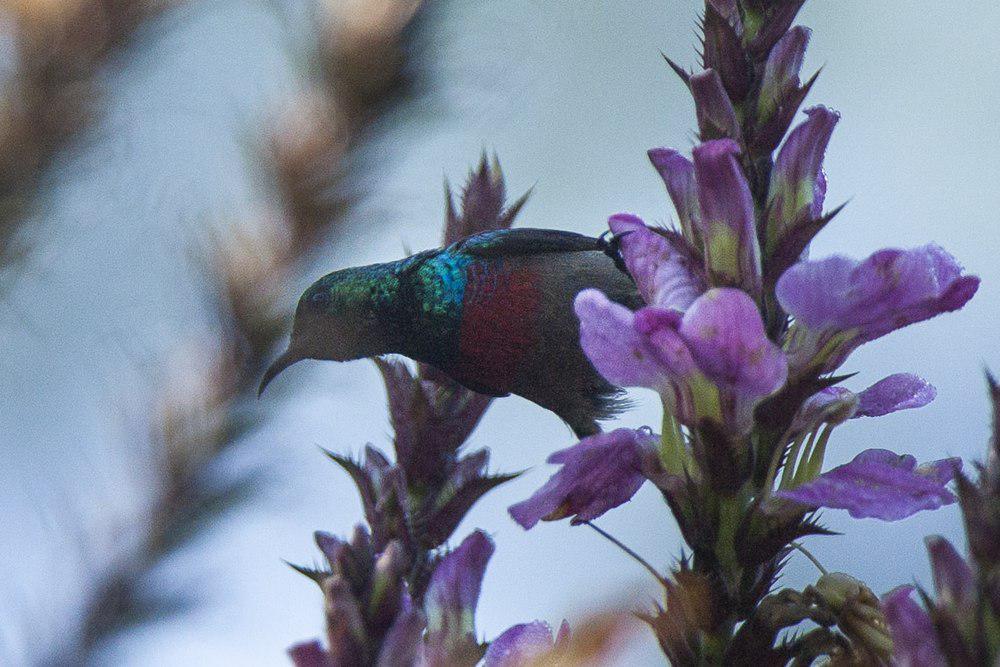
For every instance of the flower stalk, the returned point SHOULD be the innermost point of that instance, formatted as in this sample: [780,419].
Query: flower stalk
[741,335]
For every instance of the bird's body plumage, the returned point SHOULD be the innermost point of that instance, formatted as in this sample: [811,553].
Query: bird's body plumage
[493,311]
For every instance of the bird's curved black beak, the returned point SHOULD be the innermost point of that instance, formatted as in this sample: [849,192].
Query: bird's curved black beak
[281,363]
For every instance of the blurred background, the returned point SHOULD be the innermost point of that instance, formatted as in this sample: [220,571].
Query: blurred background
[174,173]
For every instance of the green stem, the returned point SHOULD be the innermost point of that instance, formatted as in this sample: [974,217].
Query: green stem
[636,557]
[772,471]
[815,561]
[815,464]
[673,451]
[793,455]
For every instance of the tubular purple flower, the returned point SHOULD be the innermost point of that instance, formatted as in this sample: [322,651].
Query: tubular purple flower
[835,405]
[725,334]
[728,228]
[798,186]
[451,598]
[880,484]
[781,72]
[714,362]
[665,273]
[913,636]
[954,582]
[598,473]
[522,643]
[900,391]
[716,116]
[677,173]
[839,303]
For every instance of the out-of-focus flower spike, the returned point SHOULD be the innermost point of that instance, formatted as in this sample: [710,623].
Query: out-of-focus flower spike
[519,645]
[798,187]
[716,116]
[310,654]
[991,470]
[451,599]
[728,227]
[677,173]
[388,589]
[345,628]
[330,545]
[483,203]
[913,637]
[954,581]
[403,644]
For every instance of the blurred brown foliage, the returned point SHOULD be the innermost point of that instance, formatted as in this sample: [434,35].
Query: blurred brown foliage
[52,92]
[367,71]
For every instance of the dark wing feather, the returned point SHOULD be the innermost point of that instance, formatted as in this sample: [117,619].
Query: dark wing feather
[513,242]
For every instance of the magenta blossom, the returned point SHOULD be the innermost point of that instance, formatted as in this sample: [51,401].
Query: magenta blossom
[716,210]
[798,186]
[663,266]
[839,304]
[451,599]
[914,642]
[713,362]
[598,473]
[835,405]
[880,484]
[954,581]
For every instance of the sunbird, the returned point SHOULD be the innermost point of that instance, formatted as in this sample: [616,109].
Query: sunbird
[493,311]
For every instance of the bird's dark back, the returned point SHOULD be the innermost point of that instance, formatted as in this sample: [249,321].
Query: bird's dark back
[495,311]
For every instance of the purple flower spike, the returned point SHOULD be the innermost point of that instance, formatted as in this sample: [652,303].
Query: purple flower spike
[798,187]
[728,230]
[665,274]
[716,116]
[953,579]
[839,303]
[880,484]
[598,473]
[913,636]
[519,645]
[451,599]
[677,173]
[901,391]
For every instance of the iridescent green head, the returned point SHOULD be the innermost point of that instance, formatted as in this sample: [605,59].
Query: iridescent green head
[340,317]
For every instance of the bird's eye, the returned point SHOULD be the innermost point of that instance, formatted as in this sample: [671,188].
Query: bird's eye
[320,299]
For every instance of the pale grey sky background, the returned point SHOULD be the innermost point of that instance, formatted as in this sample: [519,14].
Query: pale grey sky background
[570,94]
